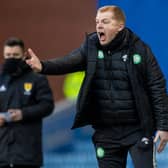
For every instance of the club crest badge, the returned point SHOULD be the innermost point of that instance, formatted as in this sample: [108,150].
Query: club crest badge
[100,55]
[27,88]
[137,59]
[100,152]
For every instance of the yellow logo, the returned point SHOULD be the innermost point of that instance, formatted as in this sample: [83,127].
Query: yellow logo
[28,87]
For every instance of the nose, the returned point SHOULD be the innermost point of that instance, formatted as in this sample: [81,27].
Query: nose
[11,55]
[99,25]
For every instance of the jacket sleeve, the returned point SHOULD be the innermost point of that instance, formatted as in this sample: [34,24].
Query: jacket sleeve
[157,91]
[44,103]
[75,61]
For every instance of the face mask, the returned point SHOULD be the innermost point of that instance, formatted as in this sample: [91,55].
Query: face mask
[11,65]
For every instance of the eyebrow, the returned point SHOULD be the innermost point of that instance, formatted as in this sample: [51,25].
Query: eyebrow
[104,19]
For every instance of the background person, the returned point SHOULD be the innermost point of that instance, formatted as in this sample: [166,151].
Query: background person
[25,99]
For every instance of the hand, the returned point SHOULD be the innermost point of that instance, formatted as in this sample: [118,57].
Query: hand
[33,61]
[2,121]
[163,136]
[15,114]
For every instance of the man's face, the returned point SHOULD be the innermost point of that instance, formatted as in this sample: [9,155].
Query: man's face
[107,27]
[13,52]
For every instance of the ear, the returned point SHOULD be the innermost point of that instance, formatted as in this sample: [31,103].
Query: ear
[121,27]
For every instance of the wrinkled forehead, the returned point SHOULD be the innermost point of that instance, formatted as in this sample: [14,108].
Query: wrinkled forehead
[105,15]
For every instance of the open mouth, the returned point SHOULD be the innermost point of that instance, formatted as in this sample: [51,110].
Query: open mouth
[101,36]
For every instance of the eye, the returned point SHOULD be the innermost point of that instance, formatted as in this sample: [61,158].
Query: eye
[16,54]
[106,21]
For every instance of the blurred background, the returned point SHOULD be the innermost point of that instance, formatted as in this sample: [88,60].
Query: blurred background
[52,28]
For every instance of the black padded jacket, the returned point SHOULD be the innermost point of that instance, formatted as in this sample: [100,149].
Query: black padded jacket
[21,141]
[147,80]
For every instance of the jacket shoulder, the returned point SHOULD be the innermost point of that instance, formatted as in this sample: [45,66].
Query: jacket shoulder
[140,47]
[92,36]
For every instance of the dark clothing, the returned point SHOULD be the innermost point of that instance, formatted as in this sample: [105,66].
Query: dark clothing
[112,146]
[123,96]
[20,142]
[111,91]
[19,166]
[146,79]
